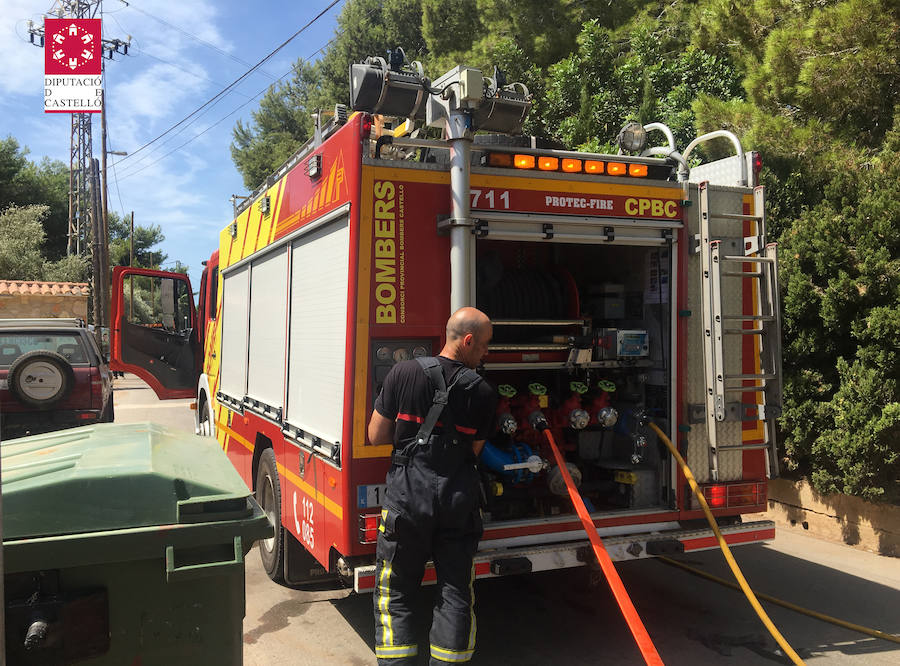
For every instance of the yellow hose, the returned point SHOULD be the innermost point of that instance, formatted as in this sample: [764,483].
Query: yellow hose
[787,604]
[726,551]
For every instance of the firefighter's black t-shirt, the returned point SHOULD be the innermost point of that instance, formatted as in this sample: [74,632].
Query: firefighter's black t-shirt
[407,395]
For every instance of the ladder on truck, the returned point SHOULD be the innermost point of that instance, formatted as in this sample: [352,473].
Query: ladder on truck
[758,261]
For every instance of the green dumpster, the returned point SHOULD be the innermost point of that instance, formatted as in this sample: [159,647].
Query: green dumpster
[124,544]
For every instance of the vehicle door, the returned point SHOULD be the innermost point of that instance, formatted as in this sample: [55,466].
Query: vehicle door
[154,330]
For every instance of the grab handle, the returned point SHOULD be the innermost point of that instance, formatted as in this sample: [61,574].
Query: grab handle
[201,570]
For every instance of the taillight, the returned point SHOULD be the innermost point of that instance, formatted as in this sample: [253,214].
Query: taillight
[716,496]
[570,165]
[745,494]
[616,168]
[732,495]
[366,126]
[368,527]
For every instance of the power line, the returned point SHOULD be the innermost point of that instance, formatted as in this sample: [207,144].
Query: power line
[231,113]
[198,135]
[179,67]
[136,47]
[192,36]
[138,168]
[224,91]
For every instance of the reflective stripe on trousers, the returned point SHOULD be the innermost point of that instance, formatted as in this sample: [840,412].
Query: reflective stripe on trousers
[425,516]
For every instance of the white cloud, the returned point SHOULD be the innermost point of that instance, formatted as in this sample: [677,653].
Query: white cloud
[187,192]
[23,64]
[155,92]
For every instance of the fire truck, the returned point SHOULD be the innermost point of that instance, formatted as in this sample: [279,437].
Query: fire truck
[622,287]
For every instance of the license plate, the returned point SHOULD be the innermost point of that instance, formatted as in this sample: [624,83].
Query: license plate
[369,496]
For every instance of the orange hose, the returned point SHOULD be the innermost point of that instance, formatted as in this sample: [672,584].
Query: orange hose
[641,637]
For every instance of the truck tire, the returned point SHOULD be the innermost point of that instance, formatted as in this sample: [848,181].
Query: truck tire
[205,426]
[268,494]
[41,378]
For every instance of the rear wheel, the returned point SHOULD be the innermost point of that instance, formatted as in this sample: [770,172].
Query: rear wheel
[205,426]
[268,494]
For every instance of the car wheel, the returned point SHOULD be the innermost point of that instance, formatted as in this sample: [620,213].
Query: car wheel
[40,378]
[205,427]
[268,494]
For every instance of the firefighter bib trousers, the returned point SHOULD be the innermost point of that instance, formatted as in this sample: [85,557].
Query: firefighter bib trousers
[431,510]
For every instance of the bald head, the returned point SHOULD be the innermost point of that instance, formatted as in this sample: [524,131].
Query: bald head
[468,332]
[466,320]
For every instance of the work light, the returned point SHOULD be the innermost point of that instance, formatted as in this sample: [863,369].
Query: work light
[632,138]
[392,90]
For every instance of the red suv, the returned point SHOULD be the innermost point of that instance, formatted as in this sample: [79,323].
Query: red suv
[52,376]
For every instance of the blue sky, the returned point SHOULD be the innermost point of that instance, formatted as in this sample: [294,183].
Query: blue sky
[167,75]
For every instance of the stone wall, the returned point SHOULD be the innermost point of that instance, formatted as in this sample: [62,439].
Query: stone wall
[43,299]
[31,305]
[794,505]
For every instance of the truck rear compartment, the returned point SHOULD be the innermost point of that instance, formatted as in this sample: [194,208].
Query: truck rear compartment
[581,335]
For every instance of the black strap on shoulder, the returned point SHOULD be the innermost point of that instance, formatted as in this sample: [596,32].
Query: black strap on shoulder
[432,368]
[465,377]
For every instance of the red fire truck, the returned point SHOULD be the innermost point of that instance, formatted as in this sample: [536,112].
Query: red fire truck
[620,291]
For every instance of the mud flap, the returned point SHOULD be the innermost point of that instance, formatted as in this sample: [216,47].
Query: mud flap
[301,568]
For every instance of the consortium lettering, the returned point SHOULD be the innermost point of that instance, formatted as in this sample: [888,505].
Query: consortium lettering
[385,254]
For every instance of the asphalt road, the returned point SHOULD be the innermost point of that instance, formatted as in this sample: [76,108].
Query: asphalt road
[560,618]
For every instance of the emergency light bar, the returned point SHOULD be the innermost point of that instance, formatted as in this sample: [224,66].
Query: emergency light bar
[573,165]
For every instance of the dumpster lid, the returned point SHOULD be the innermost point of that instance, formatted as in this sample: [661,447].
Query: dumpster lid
[116,476]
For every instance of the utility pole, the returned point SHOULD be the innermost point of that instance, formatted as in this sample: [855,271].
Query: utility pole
[97,242]
[131,278]
[104,226]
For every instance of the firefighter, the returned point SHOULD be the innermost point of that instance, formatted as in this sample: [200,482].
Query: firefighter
[437,412]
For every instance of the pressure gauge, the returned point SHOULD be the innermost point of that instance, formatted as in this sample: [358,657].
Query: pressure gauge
[383,353]
[401,354]
[419,351]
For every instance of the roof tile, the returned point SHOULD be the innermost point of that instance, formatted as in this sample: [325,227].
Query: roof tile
[23,287]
